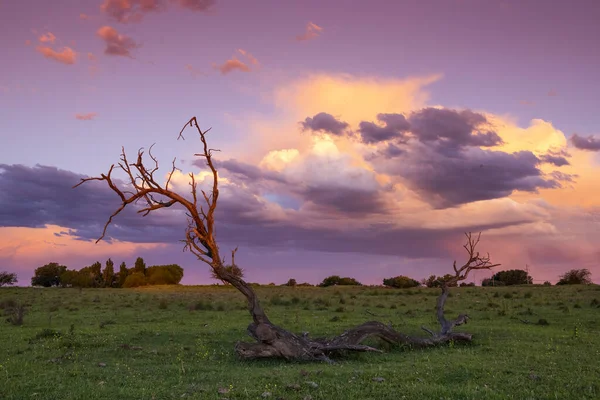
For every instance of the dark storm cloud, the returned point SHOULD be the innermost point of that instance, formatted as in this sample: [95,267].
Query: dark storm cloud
[395,127]
[351,201]
[40,195]
[323,122]
[447,181]
[451,128]
[590,143]
[440,157]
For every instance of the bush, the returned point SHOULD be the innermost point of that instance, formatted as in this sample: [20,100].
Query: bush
[491,282]
[336,280]
[135,280]
[48,275]
[513,277]
[292,282]
[7,279]
[576,277]
[401,282]
[436,281]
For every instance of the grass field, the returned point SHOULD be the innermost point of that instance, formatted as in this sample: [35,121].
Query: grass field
[177,342]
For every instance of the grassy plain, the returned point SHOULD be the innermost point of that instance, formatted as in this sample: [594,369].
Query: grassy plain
[177,342]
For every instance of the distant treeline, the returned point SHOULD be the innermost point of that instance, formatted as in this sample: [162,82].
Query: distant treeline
[93,276]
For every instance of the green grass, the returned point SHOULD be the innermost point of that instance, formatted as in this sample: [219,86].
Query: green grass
[177,342]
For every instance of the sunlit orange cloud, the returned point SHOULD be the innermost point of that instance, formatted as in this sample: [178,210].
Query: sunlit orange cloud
[352,98]
[65,56]
[235,64]
[41,245]
[47,38]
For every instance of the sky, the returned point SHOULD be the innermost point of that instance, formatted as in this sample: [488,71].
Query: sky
[359,139]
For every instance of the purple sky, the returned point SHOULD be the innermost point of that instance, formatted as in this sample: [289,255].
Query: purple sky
[357,138]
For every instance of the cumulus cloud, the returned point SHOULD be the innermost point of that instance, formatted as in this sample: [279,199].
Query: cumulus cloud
[590,143]
[116,43]
[323,122]
[312,31]
[86,117]
[65,56]
[234,63]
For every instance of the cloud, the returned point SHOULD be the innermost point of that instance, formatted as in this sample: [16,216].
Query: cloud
[197,5]
[590,143]
[116,44]
[91,57]
[557,158]
[66,55]
[28,42]
[235,64]
[452,129]
[125,11]
[324,122]
[83,16]
[86,117]
[47,38]
[312,31]
[552,93]
[395,127]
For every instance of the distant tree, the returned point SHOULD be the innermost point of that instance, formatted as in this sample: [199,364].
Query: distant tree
[48,275]
[463,284]
[547,283]
[576,277]
[292,282]
[7,278]
[305,284]
[436,281]
[122,275]
[164,274]
[513,277]
[92,274]
[401,282]
[108,275]
[135,280]
[140,266]
[334,280]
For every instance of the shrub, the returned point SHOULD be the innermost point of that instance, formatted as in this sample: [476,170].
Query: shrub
[513,277]
[337,280]
[491,282]
[135,280]
[7,279]
[401,282]
[576,277]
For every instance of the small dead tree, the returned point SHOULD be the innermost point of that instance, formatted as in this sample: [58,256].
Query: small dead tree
[270,339]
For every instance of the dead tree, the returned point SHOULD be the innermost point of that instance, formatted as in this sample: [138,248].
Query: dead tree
[271,340]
